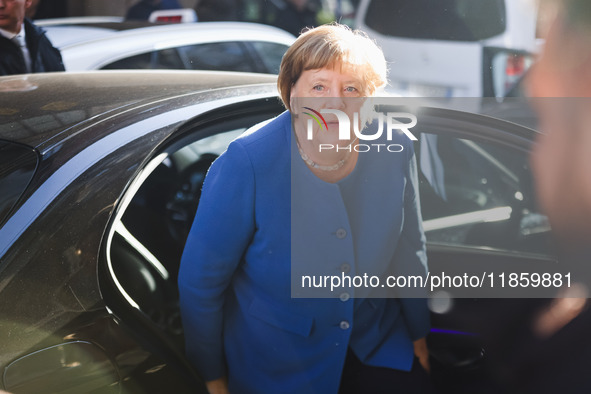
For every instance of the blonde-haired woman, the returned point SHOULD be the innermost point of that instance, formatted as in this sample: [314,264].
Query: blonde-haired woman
[274,204]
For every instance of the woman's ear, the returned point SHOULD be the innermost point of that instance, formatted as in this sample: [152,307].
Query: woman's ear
[292,103]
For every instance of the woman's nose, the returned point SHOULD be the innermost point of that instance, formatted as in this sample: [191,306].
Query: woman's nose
[336,101]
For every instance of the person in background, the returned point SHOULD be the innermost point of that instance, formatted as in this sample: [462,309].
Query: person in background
[24,46]
[219,10]
[142,10]
[44,9]
[272,203]
[295,15]
[32,9]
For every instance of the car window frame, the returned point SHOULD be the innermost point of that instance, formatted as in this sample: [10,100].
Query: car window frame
[33,156]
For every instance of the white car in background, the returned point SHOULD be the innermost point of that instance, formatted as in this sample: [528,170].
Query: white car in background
[222,46]
[452,48]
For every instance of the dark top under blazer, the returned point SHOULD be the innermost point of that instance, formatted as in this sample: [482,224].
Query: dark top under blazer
[239,316]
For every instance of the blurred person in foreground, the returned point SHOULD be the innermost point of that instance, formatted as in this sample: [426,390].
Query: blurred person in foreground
[24,46]
[272,201]
[543,346]
[562,157]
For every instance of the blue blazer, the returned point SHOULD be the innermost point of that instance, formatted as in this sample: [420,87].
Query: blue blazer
[257,228]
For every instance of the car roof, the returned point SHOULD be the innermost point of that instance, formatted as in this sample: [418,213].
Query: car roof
[105,44]
[64,36]
[40,109]
[78,20]
[64,32]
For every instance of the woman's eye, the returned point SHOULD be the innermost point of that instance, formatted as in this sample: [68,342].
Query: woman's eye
[318,88]
[351,89]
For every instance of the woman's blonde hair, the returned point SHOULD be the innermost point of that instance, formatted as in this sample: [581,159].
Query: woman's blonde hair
[332,46]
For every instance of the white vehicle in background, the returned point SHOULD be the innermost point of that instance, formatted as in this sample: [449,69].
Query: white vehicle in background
[221,46]
[452,48]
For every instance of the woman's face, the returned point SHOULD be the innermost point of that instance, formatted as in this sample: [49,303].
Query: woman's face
[327,88]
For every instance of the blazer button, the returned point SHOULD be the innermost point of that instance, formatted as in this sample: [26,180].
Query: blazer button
[344,297]
[345,267]
[341,233]
[344,325]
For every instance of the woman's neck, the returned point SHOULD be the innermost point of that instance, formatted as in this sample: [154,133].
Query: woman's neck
[329,162]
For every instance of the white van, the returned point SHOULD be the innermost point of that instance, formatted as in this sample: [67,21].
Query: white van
[452,48]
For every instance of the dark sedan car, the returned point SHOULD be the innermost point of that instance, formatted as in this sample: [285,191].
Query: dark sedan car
[100,176]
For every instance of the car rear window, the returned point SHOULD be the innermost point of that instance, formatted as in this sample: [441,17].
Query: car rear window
[220,56]
[167,59]
[271,54]
[217,56]
[17,165]
[451,20]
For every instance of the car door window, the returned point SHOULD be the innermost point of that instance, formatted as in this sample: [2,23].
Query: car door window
[221,56]
[479,194]
[163,59]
